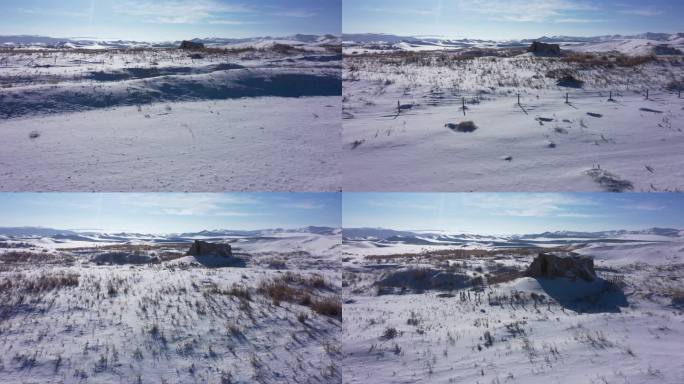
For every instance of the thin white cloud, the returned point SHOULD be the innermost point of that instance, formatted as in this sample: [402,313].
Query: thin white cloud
[178,11]
[580,21]
[405,11]
[309,205]
[578,215]
[530,205]
[91,12]
[646,207]
[295,13]
[403,205]
[527,10]
[228,22]
[194,204]
[642,12]
[54,12]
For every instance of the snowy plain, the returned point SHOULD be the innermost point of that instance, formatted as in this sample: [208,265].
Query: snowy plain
[482,322]
[133,308]
[620,127]
[124,119]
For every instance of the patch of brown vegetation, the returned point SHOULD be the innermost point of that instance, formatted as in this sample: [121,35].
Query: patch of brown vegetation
[609,61]
[329,306]
[39,283]
[299,289]
[503,277]
[456,254]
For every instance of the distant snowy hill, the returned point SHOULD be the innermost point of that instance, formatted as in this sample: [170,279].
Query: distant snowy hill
[640,44]
[382,235]
[33,232]
[75,235]
[30,41]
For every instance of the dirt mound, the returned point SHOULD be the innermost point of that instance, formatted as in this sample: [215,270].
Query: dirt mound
[418,280]
[569,81]
[464,126]
[123,258]
[610,181]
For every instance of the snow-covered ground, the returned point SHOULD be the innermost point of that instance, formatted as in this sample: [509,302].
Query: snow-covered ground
[402,110]
[235,116]
[70,315]
[481,322]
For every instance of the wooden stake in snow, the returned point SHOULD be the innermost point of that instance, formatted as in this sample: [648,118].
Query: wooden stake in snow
[646,93]
[567,98]
[464,108]
[611,96]
[520,105]
[398,107]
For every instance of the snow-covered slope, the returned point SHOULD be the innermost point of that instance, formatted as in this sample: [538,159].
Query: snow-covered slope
[87,306]
[620,128]
[455,314]
[149,115]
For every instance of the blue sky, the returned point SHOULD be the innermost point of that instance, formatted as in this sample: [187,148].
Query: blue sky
[169,212]
[512,19]
[163,20]
[512,213]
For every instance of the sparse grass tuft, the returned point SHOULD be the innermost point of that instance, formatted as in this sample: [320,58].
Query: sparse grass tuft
[40,283]
[331,307]
[389,333]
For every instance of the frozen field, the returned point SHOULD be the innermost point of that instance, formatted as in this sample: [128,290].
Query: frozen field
[463,314]
[115,119]
[594,142]
[79,307]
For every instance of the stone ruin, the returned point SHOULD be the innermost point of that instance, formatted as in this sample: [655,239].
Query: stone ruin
[562,264]
[539,48]
[203,248]
[191,45]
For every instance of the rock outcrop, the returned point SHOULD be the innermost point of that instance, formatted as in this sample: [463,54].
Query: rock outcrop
[562,264]
[191,45]
[203,248]
[544,49]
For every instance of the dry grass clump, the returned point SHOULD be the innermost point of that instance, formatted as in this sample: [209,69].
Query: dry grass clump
[675,85]
[633,61]
[39,283]
[276,263]
[313,281]
[503,277]
[329,306]
[286,49]
[332,48]
[456,254]
[609,61]
[21,257]
[238,291]
[678,298]
[278,291]
[299,289]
